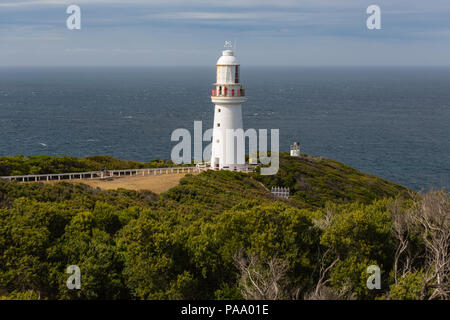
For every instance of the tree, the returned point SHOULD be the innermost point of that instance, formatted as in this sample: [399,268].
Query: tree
[26,295]
[431,212]
[408,287]
[401,231]
[321,290]
[262,280]
[360,235]
[156,265]
[92,249]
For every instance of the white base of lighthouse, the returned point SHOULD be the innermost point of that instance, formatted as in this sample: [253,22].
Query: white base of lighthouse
[225,148]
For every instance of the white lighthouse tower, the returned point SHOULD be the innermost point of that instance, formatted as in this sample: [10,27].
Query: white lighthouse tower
[227,97]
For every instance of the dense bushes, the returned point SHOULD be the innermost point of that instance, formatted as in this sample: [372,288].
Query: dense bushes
[21,165]
[315,180]
[196,240]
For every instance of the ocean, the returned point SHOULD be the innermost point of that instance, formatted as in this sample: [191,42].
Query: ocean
[390,122]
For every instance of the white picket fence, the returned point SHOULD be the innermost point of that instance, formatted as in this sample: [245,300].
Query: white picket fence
[101,174]
[280,192]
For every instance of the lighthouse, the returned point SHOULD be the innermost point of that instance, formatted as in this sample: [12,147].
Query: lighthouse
[227,98]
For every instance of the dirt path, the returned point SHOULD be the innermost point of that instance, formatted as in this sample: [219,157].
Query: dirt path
[155,183]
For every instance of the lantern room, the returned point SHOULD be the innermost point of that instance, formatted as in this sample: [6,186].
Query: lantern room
[227,78]
[227,68]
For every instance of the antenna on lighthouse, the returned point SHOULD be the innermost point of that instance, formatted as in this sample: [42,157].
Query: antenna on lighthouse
[228,44]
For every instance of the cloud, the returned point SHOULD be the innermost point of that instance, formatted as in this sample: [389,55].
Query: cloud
[403,5]
[237,18]
[13,4]
[229,3]
[205,15]
[156,31]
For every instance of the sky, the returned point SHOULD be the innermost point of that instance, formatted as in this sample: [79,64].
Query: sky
[192,33]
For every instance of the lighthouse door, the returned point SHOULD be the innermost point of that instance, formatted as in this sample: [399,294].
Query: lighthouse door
[216,163]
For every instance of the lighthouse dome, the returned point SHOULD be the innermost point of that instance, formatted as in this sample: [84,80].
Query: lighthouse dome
[227,58]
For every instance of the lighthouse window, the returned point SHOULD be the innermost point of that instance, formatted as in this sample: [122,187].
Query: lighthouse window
[236,75]
[217,140]
[218,110]
[218,124]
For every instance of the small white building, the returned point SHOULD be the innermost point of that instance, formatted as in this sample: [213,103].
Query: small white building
[227,97]
[295,149]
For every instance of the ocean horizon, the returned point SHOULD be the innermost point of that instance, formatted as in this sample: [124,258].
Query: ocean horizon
[392,122]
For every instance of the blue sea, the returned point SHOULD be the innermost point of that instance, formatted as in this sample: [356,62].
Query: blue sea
[391,122]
